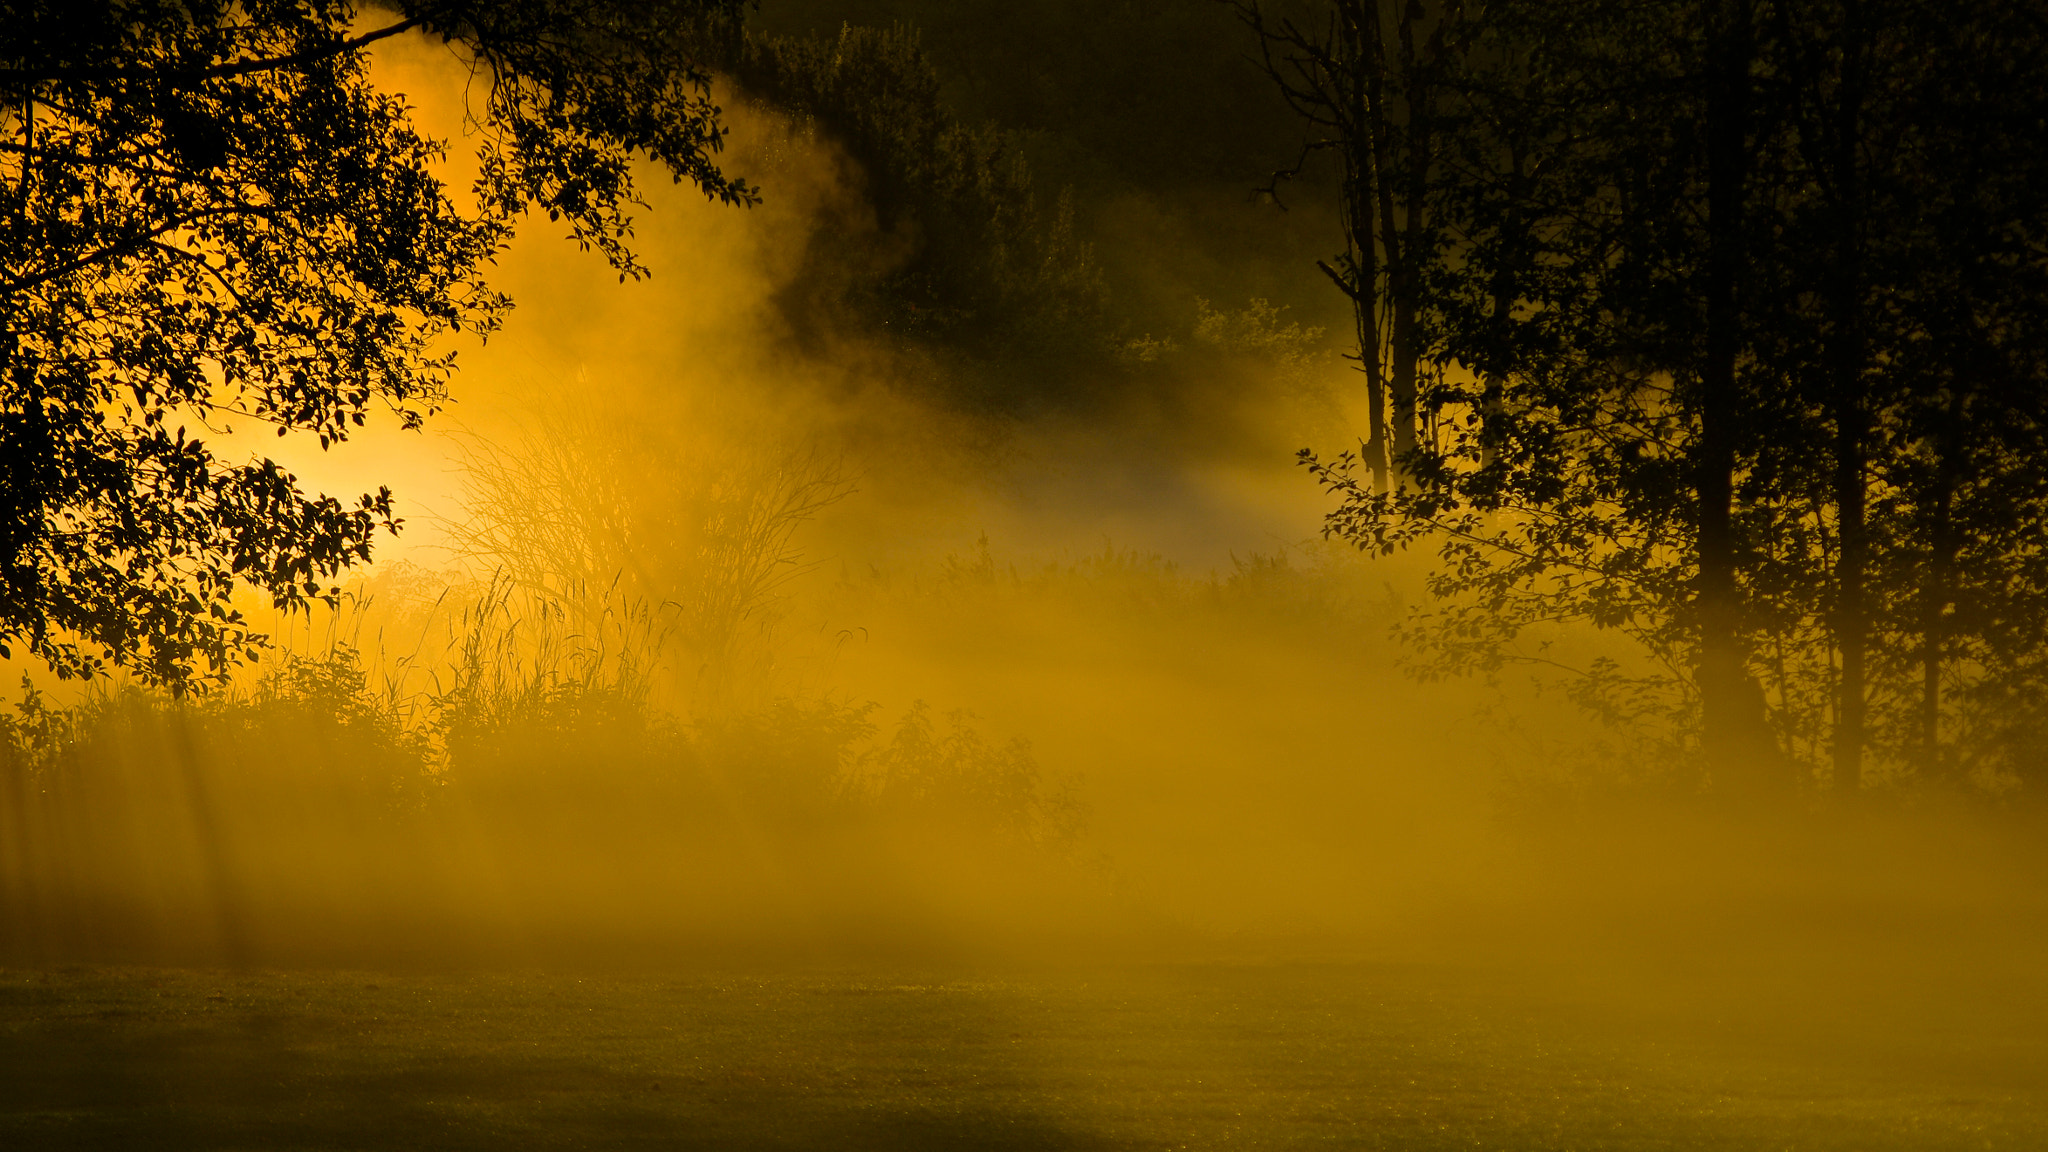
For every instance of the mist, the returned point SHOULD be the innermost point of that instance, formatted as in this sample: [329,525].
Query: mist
[718,545]
[734,625]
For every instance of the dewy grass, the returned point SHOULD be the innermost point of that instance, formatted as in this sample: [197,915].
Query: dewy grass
[1197,1056]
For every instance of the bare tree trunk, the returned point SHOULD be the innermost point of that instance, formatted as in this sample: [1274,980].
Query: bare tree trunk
[1341,78]
[1374,449]
[1493,383]
[1405,237]
[1732,729]
[1847,351]
[1852,625]
[1380,128]
[1939,590]
[1363,157]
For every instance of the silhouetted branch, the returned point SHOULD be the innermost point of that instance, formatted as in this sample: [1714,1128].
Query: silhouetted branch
[218,71]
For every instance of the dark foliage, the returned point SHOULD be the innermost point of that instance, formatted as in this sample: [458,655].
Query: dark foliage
[1724,322]
[208,215]
[987,263]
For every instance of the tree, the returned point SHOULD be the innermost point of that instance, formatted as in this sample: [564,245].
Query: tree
[1733,347]
[1374,81]
[1963,504]
[211,214]
[1561,201]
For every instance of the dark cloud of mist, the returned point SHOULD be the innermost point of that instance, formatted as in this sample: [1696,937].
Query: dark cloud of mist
[1155,115]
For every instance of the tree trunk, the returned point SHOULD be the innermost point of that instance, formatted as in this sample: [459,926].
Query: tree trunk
[1847,353]
[1363,159]
[1503,289]
[1405,243]
[1851,614]
[1363,63]
[1400,384]
[1733,734]
[1939,590]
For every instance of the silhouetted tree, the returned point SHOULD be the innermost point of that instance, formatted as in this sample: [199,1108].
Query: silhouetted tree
[1595,167]
[1965,282]
[208,212]
[1379,83]
[1733,303]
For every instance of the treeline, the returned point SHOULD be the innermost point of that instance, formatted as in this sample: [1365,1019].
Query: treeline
[1717,324]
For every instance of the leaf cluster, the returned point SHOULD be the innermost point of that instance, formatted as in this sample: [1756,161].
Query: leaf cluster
[209,216]
[1881,245]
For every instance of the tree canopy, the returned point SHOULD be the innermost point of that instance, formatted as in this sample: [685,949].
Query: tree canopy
[1714,323]
[208,213]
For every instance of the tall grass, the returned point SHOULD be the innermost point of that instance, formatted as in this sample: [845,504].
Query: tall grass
[508,781]
[697,534]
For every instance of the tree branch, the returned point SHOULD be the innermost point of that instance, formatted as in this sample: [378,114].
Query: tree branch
[124,247]
[218,71]
[1337,278]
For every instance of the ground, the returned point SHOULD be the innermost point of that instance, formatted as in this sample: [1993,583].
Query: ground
[1153,1056]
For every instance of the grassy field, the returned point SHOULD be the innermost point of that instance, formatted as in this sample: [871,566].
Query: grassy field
[1219,1055]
